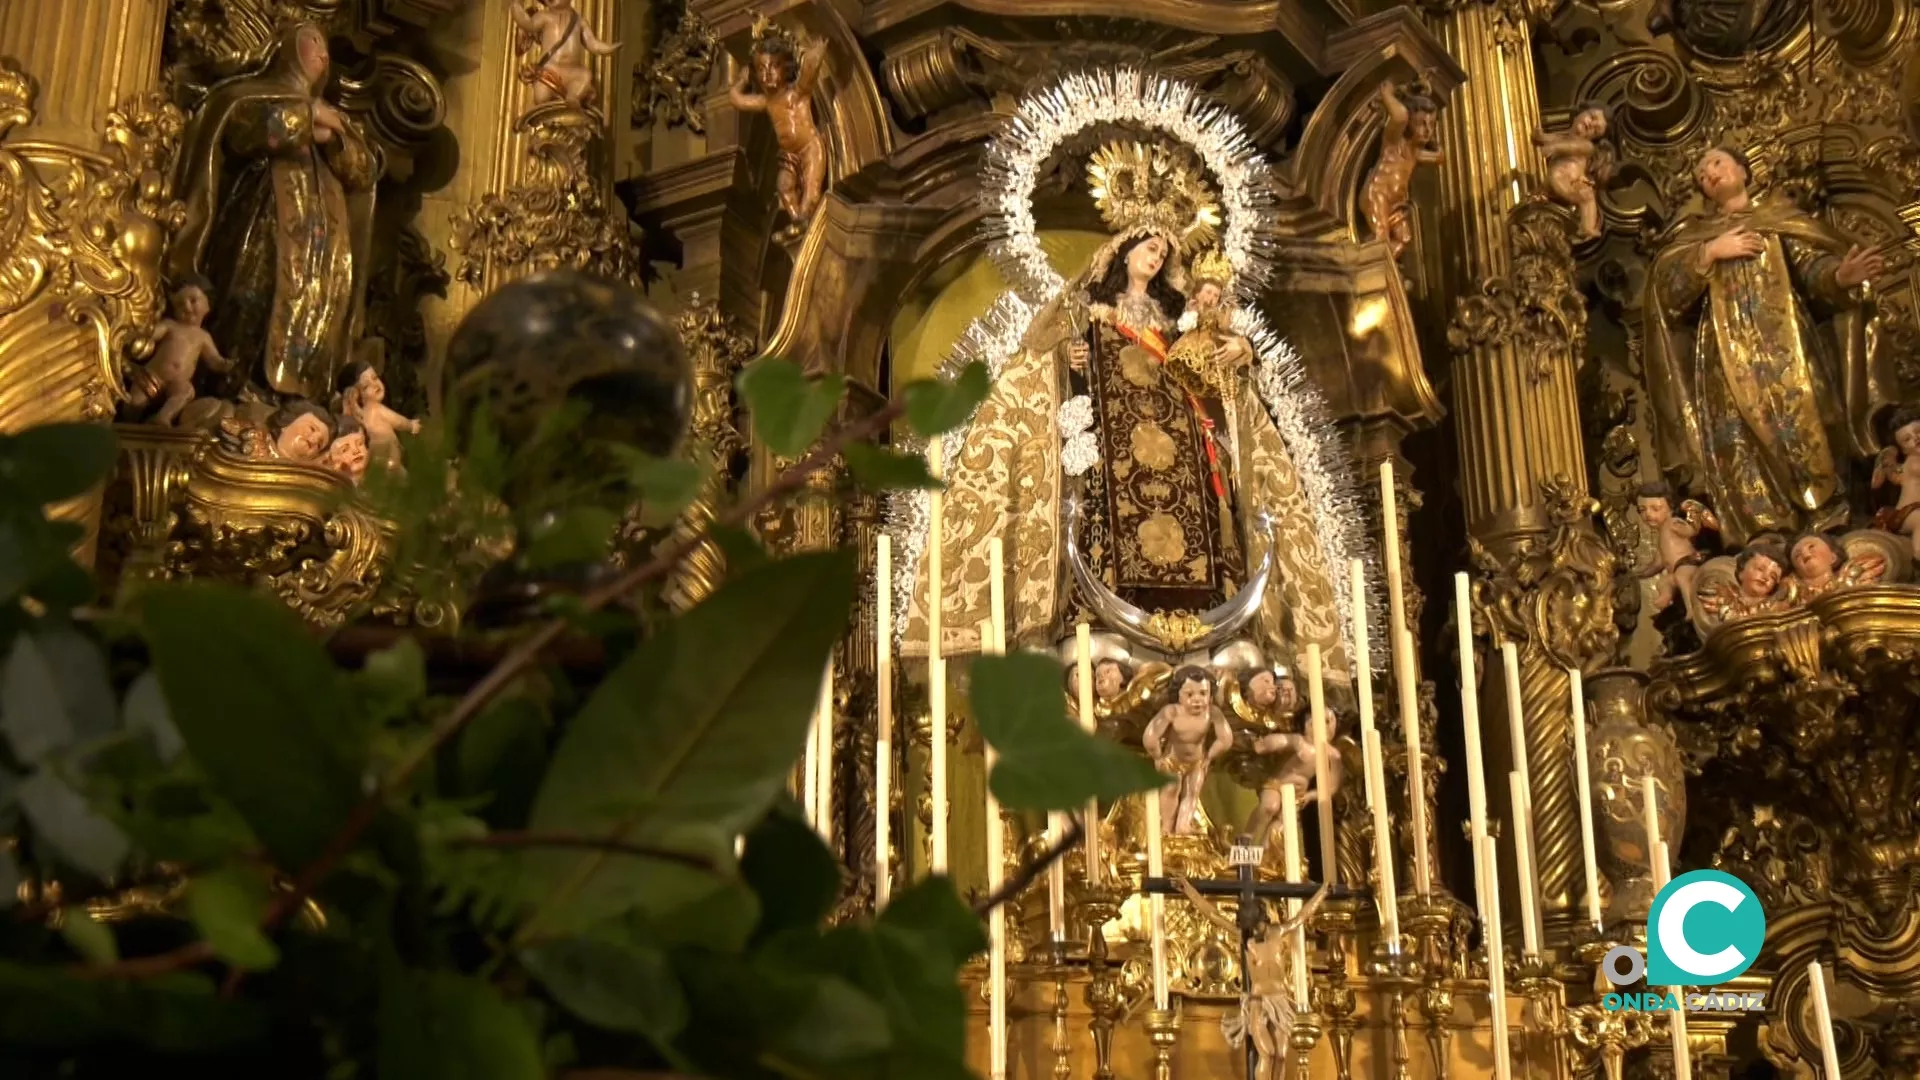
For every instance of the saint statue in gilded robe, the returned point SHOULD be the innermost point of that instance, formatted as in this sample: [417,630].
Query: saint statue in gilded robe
[1760,359]
[1126,457]
[279,189]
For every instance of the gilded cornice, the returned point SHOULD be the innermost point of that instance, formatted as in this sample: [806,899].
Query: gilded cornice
[1372,369]
[1857,631]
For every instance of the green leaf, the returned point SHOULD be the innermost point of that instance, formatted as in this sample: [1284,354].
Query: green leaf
[1046,761]
[226,907]
[620,986]
[54,693]
[391,682]
[880,469]
[688,742]
[743,552]
[789,410]
[91,939]
[932,913]
[55,462]
[46,1007]
[667,486]
[935,407]
[770,1015]
[67,825]
[502,756]
[440,1026]
[578,534]
[790,868]
[32,548]
[258,702]
[145,710]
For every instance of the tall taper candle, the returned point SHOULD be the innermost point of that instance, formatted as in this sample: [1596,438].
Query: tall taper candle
[1387,891]
[1322,765]
[1489,861]
[1677,1019]
[1362,656]
[936,666]
[1083,668]
[1517,734]
[1290,850]
[1650,816]
[1470,708]
[997,920]
[1583,790]
[883,732]
[823,794]
[1823,1016]
[1523,852]
[1400,641]
[1156,867]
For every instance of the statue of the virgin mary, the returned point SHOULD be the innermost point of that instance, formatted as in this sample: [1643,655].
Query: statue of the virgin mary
[1126,456]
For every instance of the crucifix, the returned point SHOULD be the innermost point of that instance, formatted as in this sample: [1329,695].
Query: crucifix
[1251,920]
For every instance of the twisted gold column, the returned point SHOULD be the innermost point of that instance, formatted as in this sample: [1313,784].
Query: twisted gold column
[1517,328]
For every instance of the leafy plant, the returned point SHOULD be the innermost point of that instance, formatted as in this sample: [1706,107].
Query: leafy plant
[228,851]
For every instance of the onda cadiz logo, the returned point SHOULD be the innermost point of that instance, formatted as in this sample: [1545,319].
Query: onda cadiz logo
[1705,928]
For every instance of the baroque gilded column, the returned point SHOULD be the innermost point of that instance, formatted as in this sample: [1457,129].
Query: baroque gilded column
[1517,337]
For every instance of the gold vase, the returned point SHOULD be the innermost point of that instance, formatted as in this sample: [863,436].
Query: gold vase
[1624,748]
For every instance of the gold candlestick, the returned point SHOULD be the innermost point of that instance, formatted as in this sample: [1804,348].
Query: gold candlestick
[1163,1029]
[1395,972]
[1335,924]
[1607,1034]
[1104,996]
[1062,1046]
[1431,922]
[1306,1035]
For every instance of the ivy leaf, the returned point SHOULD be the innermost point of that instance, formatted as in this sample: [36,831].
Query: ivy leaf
[259,703]
[880,469]
[46,1007]
[88,937]
[932,913]
[667,486]
[789,866]
[54,693]
[1047,762]
[57,461]
[440,1026]
[935,407]
[501,757]
[392,680]
[620,986]
[688,742]
[771,1012]
[226,907]
[78,835]
[743,552]
[145,710]
[789,410]
[32,548]
[577,534]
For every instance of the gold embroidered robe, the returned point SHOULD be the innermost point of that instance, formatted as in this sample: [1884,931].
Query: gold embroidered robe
[1757,398]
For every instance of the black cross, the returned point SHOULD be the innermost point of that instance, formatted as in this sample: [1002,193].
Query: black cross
[1252,915]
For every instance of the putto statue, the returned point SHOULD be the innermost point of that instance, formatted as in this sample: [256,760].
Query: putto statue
[556,42]
[784,75]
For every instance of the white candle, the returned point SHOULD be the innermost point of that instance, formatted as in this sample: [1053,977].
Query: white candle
[1470,709]
[997,919]
[1529,915]
[1290,848]
[936,666]
[1362,657]
[1322,765]
[883,737]
[1401,641]
[1083,667]
[1517,734]
[1682,1050]
[1489,866]
[997,592]
[1157,903]
[1823,1015]
[823,793]
[1650,811]
[1583,790]
[1387,892]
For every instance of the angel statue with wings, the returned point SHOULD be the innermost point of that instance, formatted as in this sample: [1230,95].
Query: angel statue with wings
[1126,448]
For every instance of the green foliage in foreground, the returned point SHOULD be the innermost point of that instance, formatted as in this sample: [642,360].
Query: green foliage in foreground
[592,870]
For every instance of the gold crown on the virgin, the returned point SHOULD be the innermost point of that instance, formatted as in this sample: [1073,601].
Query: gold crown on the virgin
[1148,188]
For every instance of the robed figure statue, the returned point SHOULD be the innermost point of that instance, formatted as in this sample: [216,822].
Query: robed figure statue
[1760,358]
[1126,457]
[279,190]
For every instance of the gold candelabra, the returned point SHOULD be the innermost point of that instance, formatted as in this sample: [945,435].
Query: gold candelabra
[1163,1030]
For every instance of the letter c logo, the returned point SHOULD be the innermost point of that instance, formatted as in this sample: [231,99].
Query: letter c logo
[1707,928]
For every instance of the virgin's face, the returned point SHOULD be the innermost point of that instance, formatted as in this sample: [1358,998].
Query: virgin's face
[314,57]
[1813,559]
[1146,258]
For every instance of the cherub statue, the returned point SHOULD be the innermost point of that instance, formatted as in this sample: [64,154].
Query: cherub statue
[1293,764]
[180,344]
[555,42]
[347,453]
[1110,678]
[1176,741]
[1676,558]
[1266,1000]
[1821,565]
[1409,141]
[1578,162]
[363,396]
[1757,573]
[784,78]
[301,432]
[1901,462]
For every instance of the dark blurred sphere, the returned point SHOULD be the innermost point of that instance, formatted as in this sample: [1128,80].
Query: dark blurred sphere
[567,336]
